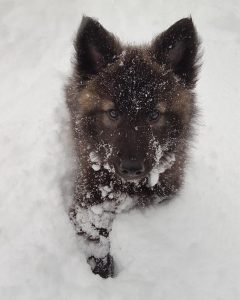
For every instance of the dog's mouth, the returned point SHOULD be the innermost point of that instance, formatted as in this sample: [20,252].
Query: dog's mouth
[131,178]
[132,175]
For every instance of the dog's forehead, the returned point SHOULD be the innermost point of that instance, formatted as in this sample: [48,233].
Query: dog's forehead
[136,83]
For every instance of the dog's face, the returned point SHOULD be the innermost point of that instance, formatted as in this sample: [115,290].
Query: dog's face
[135,104]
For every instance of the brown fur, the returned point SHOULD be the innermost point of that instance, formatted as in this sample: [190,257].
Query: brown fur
[135,82]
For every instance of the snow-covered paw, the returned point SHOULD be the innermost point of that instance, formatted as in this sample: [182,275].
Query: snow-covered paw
[104,266]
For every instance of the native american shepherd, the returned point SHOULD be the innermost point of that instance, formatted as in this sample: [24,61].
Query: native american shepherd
[132,111]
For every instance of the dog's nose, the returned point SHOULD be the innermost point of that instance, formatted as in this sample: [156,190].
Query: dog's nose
[131,167]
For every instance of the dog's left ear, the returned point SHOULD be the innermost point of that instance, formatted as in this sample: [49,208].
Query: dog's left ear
[177,48]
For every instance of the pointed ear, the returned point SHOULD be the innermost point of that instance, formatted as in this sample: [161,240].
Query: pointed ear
[95,47]
[177,48]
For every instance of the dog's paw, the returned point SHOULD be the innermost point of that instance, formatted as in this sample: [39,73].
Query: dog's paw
[104,266]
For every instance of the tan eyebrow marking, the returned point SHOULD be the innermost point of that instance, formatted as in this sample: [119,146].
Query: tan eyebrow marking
[87,101]
[90,102]
[107,104]
[162,107]
[182,105]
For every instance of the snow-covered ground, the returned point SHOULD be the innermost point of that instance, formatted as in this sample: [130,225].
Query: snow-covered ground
[187,249]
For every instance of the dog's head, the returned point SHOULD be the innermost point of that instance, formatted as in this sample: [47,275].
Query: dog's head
[135,103]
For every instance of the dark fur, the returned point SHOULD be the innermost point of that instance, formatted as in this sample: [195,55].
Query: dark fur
[134,81]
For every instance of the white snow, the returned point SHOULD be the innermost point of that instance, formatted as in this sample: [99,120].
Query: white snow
[163,161]
[185,249]
[105,190]
[96,167]
[161,166]
[155,172]
[93,158]
[153,177]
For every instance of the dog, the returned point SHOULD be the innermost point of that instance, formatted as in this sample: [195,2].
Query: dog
[133,111]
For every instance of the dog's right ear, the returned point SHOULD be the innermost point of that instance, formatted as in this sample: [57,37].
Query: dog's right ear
[95,47]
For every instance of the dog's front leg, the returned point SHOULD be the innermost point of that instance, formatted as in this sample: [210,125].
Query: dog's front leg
[93,225]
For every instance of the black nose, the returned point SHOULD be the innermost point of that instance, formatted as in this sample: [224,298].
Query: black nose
[131,167]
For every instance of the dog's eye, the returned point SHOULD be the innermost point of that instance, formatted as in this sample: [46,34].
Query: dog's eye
[113,114]
[154,115]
